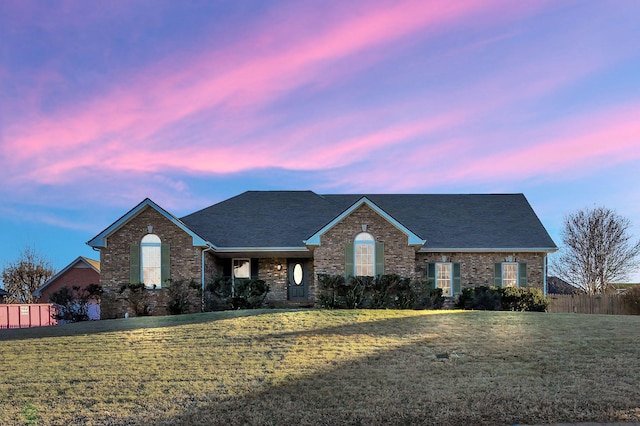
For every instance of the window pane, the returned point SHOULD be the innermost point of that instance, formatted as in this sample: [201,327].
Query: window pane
[509,274]
[364,259]
[241,268]
[151,258]
[297,274]
[443,278]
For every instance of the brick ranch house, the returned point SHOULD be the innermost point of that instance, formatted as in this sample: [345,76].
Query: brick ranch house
[287,238]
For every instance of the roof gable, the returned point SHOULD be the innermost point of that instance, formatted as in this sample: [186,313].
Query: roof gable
[412,238]
[92,264]
[100,239]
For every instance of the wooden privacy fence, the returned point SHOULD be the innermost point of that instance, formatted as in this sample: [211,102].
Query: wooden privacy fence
[23,316]
[587,304]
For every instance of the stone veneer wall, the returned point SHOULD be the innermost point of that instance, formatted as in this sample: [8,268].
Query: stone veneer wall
[477,269]
[114,261]
[399,257]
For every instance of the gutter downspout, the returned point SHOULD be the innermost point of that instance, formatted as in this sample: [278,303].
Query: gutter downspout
[544,277]
[202,279]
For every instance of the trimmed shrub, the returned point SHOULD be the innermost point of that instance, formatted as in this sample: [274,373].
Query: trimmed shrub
[382,292]
[523,299]
[330,287]
[138,298]
[181,294]
[430,299]
[250,294]
[503,299]
[246,294]
[480,298]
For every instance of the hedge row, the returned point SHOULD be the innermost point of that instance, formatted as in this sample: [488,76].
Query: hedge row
[503,299]
[381,292]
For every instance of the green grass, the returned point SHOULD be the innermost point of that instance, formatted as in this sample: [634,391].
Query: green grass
[318,367]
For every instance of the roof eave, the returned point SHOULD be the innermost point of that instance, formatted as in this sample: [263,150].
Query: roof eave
[489,249]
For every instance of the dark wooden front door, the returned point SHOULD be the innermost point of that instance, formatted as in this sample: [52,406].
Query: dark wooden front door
[297,273]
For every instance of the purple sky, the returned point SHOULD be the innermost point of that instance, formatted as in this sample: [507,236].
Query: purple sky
[105,103]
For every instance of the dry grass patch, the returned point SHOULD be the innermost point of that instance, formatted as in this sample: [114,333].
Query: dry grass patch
[324,367]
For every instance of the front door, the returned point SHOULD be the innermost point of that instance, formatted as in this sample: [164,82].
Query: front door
[297,274]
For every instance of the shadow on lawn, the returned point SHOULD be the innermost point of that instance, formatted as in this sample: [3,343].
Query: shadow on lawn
[403,386]
[122,324]
[415,384]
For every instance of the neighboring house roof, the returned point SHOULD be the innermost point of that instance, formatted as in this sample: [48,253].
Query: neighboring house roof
[93,264]
[285,219]
[100,239]
[557,285]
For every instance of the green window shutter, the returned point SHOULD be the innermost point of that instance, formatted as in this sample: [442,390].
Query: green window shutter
[134,264]
[456,279]
[379,250]
[522,275]
[431,274]
[348,260]
[497,276]
[165,264]
[255,268]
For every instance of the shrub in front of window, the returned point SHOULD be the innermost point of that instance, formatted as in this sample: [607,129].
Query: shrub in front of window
[406,292]
[480,298]
[73,303]
[382,292]
[355,292]
[223,293]
[137,297]
[217,294]
[429,298]
[250,294]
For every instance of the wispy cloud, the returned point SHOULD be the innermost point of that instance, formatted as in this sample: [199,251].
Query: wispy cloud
[118,129]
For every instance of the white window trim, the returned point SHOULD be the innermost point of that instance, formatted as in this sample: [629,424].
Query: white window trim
[356,243]
[517,273]
[450,277]
[144,245]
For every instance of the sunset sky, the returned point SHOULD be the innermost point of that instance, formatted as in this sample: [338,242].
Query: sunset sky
[105,103]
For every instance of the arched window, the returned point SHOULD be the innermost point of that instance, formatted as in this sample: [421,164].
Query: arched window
[151,261]
[365,255]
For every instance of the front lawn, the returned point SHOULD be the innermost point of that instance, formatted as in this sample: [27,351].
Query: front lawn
[316,367]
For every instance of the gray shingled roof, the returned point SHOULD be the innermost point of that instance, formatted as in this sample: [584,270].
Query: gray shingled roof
[287,218]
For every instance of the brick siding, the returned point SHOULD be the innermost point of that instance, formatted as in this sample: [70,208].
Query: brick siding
[477,269]
[399,257]
[115,267]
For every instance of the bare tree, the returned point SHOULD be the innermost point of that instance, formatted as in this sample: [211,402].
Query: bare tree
[597,250]
[24,276]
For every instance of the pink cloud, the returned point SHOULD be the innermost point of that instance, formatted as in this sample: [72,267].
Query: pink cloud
[150,101]
[583,144]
